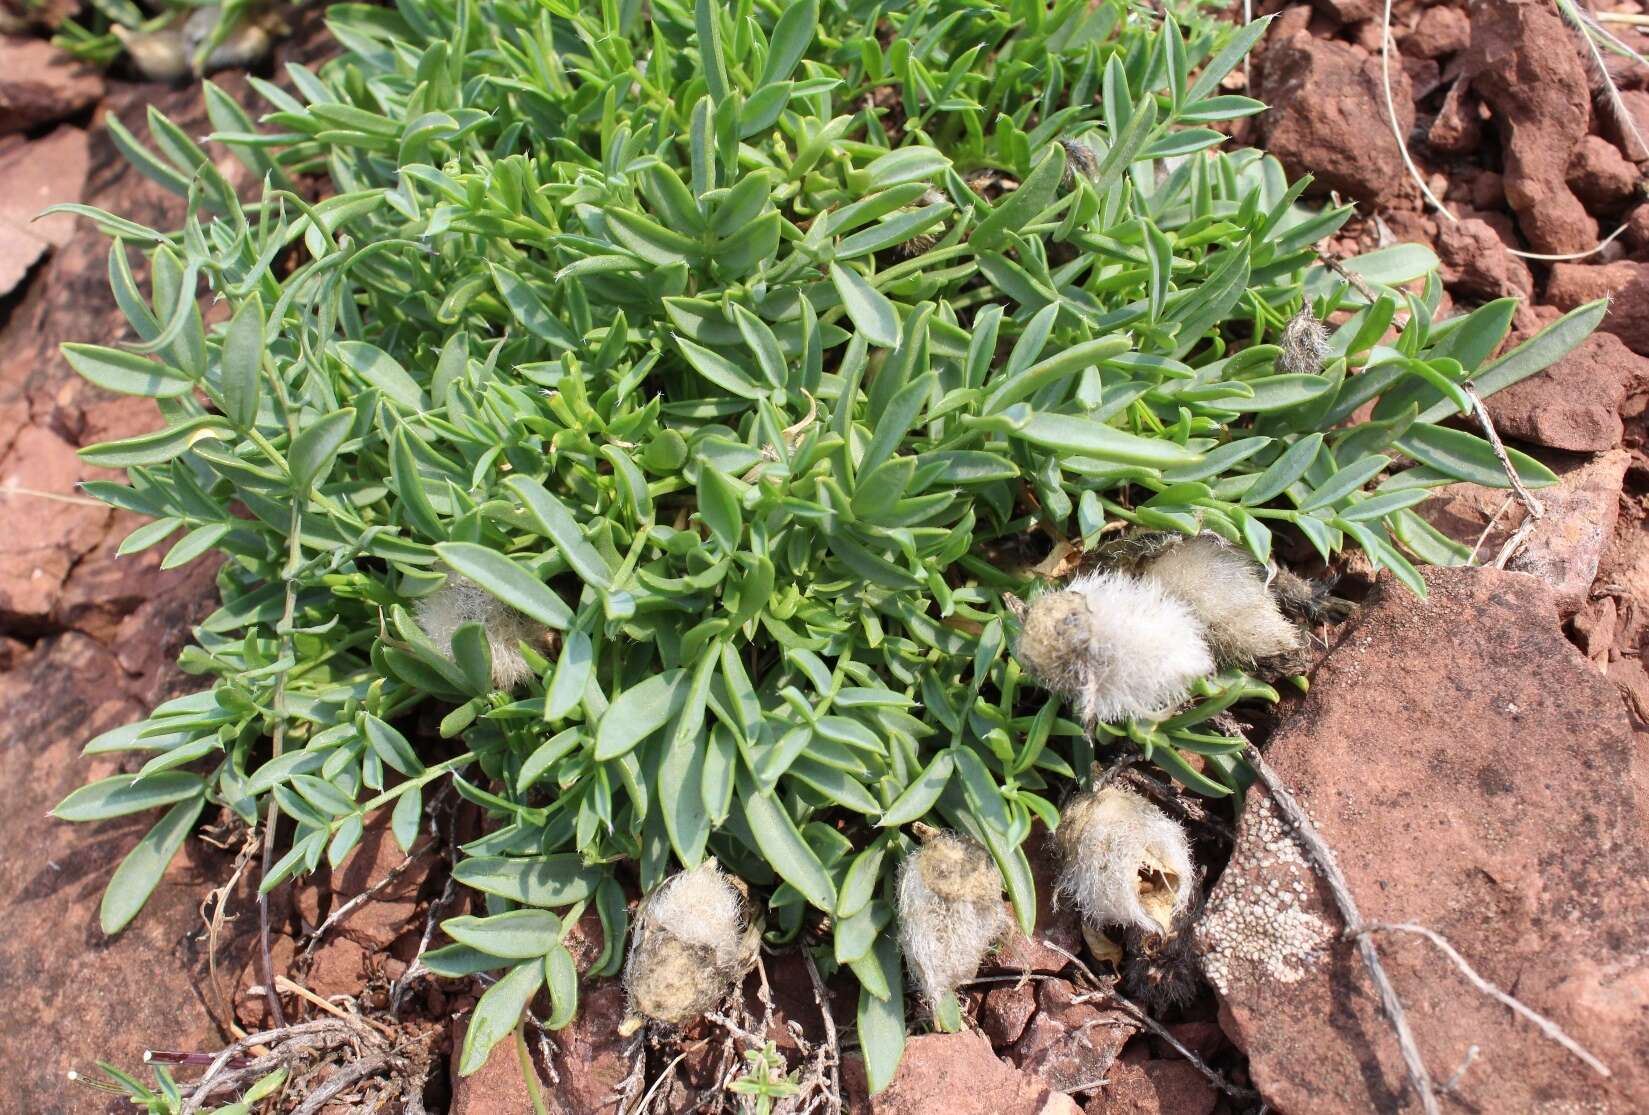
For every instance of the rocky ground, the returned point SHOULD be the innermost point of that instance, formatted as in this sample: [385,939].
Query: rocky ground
[1477,760]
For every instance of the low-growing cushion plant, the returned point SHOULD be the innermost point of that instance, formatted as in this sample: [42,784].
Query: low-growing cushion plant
[729,355]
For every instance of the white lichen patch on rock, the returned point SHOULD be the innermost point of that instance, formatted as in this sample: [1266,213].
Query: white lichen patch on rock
[1259,924]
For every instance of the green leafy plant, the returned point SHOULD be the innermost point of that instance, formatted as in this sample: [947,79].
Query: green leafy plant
[740,348]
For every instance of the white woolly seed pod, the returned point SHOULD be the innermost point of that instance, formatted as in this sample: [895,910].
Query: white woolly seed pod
[693,942]
[461,601]
[1116,646]
[1226,590]
[1123,861]
[950,911]
[1304,343]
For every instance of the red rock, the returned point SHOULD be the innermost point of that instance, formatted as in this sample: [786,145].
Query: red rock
[1524,64]
[75,996]
[1458,128]
[496,1088]
[33,176]
[1574,405]
[588,1062]
[1477,264]
[43,547]
[1068,1043]
[340,967]
[1600,175]
[1594,628]
[1575,284]
[590,1057]
[1628,316]
[1005,1011]
[1629,677]
[1347,11]
[1467,726]
[1637,227]
[392,911]
[1441,30]
[1153,1088]
[1566,546]
[39,84]
[956,1074]
[1488,190]
[1637,108]
[1328,116]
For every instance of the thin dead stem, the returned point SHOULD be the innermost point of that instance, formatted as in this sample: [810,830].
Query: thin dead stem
[1531,505]
[1106,989]
[342,912]
[832,1050]
[1323,858]
[1546,1026]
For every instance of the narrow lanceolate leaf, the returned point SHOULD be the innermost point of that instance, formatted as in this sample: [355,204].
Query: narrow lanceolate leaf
[558,880]
[782,845]
[316,447]
[124,793]
[241,364]
[1080,436]
[515,935]
[557,524]
[127,373]
[381,370]
[139,873]
[638,712]
[719,370]
[498,1012]
[882,1020]
[1020,207]
[156,448]
[508,582]
[868,308]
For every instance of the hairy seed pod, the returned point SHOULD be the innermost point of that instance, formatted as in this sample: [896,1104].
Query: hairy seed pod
[1115,645]
[1227,592]
[1080,160]
[950,911]
[461,601]
[1162,972]
[1310,600]
[693,942]
[1304,343]
[1123,861]
[157,55]
[924,241]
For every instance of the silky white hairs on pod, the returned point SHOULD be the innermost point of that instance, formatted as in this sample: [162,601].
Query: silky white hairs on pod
[1117,646]
[1123,861]
[1226,590]
[950,912]
[461,601]
[692,943]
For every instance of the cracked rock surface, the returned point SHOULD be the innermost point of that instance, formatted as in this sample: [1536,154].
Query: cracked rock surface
[1475,774]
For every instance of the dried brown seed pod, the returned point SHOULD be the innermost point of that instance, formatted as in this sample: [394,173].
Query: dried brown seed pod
[950,911]
[693,942]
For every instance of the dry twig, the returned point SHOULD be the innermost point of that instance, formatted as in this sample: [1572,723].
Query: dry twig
[1106,989]
[342,912]
[1530,505]
[1546,1026]
[832,1052]
[1323,859]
